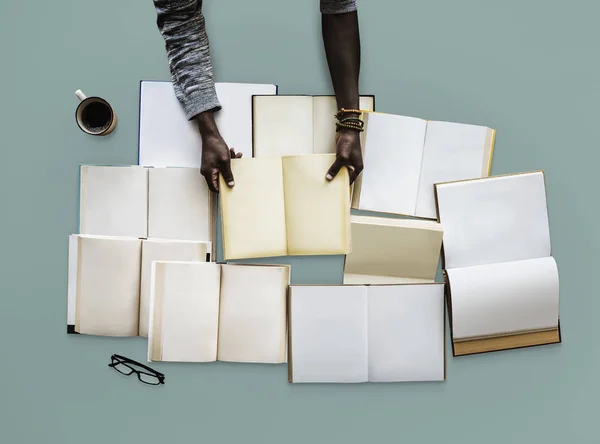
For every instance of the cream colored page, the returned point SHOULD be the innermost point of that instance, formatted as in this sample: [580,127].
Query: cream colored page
[283,125]
[329,334]
[164,250]
[400,250]
[114,201]
[108,286]
[406,333]
[178,205]
[496,219]
[324,110]
[497,299]
[190,311]
[252,326]
[393,151]
[453,151]
[253,211]
[72,279]
[317,211]
[364,279]
[157,271]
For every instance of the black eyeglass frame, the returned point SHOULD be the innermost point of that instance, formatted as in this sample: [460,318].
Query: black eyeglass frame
[122,360]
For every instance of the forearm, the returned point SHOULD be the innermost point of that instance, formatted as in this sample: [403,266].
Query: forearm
[182,26]
[342,47]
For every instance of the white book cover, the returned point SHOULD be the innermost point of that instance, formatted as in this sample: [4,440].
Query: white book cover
[168,138]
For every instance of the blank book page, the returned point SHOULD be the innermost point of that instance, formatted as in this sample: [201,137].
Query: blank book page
[511,297]
[496,219]
[329,334]
[252,326]
[406,333]
[283,125]
[114,201]
[453,151]
[253,211]
[317,211]
[178,204]
[393,151]
[190,310]
[108,286]
[163,250]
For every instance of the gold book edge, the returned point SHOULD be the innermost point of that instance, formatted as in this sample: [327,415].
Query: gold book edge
[507,342]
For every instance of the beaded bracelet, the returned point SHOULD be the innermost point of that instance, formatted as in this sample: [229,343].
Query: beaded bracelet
[353,123]
[353,126]
[343,111]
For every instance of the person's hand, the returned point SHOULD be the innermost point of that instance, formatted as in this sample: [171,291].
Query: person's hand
[348,154]
[216,159]
[216,155]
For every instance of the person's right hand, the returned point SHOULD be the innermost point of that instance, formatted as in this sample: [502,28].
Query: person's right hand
[216,159]
[216,155]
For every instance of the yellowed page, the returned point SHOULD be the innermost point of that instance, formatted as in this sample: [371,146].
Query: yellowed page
[253,211]
[164,250]
[317,211]
[184,311]
[108,285]
[282,125]
[393,248]
[252,323]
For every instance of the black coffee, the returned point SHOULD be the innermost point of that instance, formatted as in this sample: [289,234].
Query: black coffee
[96,117]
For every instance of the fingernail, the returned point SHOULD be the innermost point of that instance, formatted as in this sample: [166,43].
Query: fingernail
[230,184]
[329,176]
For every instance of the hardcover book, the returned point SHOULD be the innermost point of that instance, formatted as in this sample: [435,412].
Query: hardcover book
[283,206]
[374,333]
[503,282]
[205,312]
[406,156]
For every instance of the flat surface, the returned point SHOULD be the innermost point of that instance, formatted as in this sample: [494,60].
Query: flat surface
[527,69]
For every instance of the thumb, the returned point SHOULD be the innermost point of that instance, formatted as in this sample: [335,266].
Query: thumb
[335,168]
[227,174]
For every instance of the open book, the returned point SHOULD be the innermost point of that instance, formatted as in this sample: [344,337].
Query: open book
[407,155]
[133,201]
[168,138]
[387,251]
[212,312]
[285,206]
[377,333]
[288,125]
[503,282]
[109,281]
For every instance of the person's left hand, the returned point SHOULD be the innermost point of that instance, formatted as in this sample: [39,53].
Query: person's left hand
[348,154]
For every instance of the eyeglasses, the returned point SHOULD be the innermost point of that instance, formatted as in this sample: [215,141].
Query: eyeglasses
[144,373]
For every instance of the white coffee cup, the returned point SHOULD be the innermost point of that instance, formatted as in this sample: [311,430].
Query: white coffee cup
[94,115]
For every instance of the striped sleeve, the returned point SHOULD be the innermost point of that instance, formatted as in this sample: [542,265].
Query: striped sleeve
[337,6]
[182,25]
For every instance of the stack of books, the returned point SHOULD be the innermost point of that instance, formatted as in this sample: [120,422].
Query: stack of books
[143,262]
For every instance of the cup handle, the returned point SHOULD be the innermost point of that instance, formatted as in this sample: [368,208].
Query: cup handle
[81,96]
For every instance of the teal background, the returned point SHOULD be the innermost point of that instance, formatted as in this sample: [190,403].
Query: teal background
[527,68]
